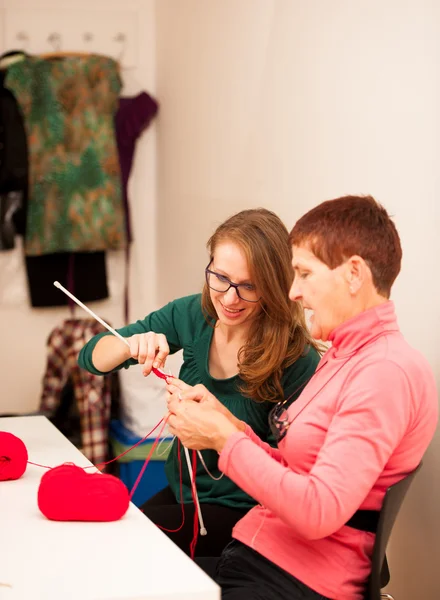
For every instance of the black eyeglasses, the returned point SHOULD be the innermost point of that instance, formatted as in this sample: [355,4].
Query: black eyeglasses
[220,283]
[279,418]
[279,421]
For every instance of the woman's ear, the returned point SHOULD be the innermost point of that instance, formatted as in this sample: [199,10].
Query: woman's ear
[356,273]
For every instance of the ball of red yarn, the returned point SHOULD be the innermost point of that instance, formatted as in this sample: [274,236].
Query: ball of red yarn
[68,493]
[13,456]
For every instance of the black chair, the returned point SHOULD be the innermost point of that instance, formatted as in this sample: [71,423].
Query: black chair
[380,575]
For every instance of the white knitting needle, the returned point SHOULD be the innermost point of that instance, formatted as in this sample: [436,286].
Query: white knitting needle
[83,306]
[188,462]
[118,335]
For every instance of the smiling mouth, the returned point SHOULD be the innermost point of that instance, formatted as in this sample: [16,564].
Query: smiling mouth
[233,311]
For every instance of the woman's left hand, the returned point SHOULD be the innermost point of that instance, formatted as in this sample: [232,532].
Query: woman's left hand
[198,425]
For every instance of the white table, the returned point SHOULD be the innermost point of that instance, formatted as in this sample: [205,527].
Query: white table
[130,559]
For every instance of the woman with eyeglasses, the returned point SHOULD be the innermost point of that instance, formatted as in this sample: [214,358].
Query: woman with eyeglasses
[361,424]
[243,340]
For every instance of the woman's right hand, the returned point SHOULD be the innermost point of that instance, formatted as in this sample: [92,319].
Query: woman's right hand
[149,349]
[199,393]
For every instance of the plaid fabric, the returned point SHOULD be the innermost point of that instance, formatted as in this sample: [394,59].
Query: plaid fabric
[92,392]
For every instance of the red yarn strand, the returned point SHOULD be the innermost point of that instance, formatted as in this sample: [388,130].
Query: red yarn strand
[147,460]
[134,446]
[181,493]
[113,459]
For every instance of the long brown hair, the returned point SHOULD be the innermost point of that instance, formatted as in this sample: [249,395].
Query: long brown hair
[278,336]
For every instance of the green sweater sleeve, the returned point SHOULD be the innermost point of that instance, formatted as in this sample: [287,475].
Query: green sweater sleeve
[173,320]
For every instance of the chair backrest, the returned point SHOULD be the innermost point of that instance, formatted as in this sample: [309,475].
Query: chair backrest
[393,500]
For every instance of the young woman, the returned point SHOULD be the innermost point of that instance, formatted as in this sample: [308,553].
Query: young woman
[243,340]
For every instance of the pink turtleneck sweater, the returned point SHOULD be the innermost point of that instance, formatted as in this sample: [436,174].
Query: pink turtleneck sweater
[364,420]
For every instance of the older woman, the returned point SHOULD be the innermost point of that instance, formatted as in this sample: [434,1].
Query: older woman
[363,421]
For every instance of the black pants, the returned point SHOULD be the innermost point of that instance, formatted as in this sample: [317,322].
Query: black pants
[164,510]
[244,574]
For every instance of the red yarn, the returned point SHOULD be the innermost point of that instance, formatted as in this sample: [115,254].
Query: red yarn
[13,456]
[102,464]
[181,494]
[192,547]
[68,493]
[147,460]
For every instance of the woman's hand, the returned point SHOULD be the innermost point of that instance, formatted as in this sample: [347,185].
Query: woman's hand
[149,349]
[199,393]
[199,425]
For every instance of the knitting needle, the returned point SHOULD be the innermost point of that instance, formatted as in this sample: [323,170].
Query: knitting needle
[199,512]
[84,307]
[58,285]
[119,336]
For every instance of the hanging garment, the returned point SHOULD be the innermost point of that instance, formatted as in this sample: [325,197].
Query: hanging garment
[92,392]
[75,196]
[133,117]
[84,274]
[86,271]
[13,160]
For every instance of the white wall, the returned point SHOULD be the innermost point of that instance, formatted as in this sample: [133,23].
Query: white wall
[277,103]
[24,330]
[285,103]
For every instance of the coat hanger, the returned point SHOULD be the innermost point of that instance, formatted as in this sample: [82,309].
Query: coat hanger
[55,40]
[63,54]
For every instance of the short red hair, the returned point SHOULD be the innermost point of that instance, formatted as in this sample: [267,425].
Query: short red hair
[352,225]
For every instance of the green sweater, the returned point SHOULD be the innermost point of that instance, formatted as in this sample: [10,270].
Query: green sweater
[184,325]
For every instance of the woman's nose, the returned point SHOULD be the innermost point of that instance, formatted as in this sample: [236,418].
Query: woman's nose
[231,295]
[295,292]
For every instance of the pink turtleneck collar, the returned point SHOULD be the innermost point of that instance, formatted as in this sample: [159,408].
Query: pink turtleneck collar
[361,329]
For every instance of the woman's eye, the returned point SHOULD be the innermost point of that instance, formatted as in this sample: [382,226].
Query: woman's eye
[248,286]
[222,278]
[303,275]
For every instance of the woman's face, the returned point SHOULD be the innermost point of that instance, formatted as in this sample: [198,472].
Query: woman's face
[322,290]
[229,263]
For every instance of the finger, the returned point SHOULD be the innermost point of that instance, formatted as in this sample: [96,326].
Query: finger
[142,349]
[179,384]
[171,388]
[171,398]
[175,392]
[174,405]
[172,422]
[134,346]
[162,351]
[150,339]
[198,393]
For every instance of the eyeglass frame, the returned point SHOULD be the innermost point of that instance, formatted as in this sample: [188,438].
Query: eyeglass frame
[279,426]
[231,284]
